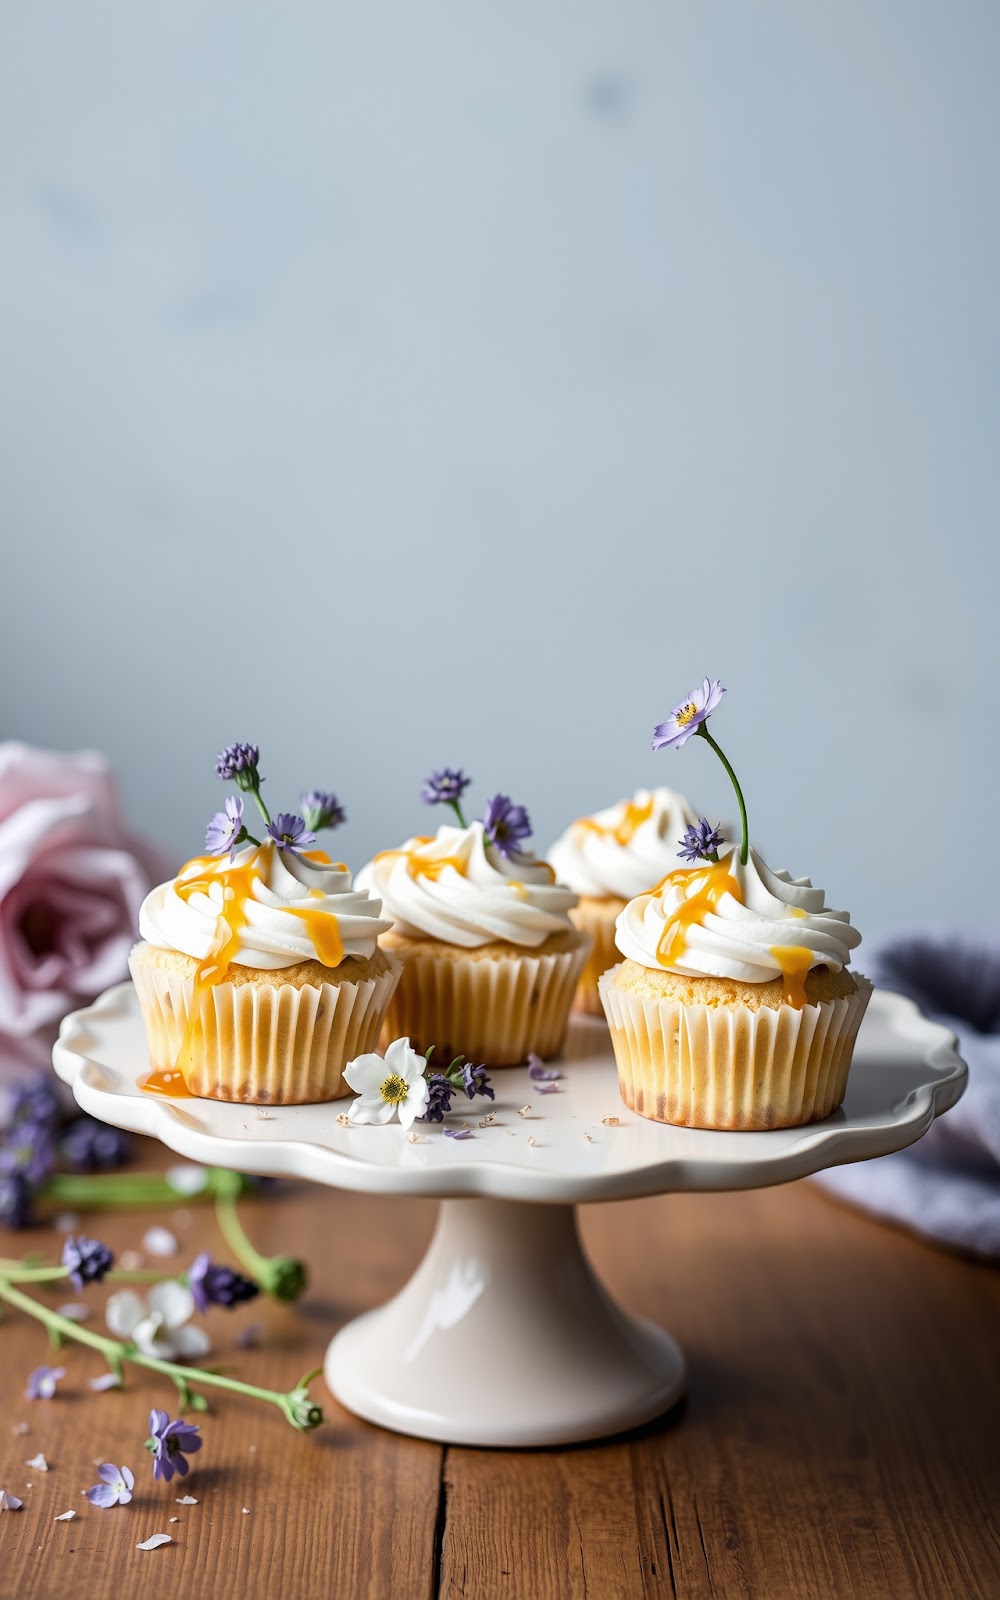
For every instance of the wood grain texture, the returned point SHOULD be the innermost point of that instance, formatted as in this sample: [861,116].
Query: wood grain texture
[839,1439]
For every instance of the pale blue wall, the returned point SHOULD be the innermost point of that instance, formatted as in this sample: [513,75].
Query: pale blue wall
[401,384]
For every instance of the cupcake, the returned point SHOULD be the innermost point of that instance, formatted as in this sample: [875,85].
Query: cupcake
[607,859]
[734,1006]
[490,958]
[259,972]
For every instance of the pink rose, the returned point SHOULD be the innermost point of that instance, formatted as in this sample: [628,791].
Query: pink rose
[71,883]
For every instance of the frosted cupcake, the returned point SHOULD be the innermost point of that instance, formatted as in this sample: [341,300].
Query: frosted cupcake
[607,859]
[490,957]
[259,974]
[734,1006]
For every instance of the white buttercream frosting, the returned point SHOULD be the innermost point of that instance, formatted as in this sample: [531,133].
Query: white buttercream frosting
[733,921]
[461,889]
[625,849]
[292,909]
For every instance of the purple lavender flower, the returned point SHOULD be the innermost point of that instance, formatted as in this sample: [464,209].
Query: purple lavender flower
[322,809]
[91,1146]
[226,830]
[30,1150]
[687,718]
[476,1080]
[115,1487]
[169,1443]
[16,1209]
[42,1382]
[445,787]
[237,763]
[505,825]
[701,842]
[214,1285]
[35,1101]
[290,832]
[439,1092]
[88,1260]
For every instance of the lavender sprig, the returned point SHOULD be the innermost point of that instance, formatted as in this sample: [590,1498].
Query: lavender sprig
[461,1077]
[239,764]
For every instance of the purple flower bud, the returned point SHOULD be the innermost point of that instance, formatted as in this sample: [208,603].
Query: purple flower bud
[439,1092]
[214,1285]
[701,842]
[444,787]
[88,1260]
[238,764]
[322,809]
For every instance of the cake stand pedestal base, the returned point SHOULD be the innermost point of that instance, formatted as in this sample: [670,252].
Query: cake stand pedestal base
[504,1336]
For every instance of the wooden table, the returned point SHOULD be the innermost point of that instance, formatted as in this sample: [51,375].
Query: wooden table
[841,1435]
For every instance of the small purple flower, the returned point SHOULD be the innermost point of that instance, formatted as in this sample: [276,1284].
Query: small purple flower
[687,718]
[214,1285]
[225,830]
[476,1080]
[701,842]
[91,1146]
[444,788]
[237,763]
[505,825]
[16,1210]
[169,1443]
[29,1150]
[88,1260]
[439,1093]
[107,1380]
[42,1382]
[538,1071]
[33,1102]
[322,809]
[290,832]
[115,1487]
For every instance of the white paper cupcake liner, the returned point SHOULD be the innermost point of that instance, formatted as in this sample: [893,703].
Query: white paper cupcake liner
[259,1044]
[495,1010]
[728,1066]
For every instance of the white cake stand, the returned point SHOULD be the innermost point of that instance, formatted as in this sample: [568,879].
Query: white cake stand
[505,1288]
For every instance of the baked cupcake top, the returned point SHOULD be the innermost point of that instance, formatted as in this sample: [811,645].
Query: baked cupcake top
[626,848]
[471,884]
[268,903]
[724,919]
[728,915]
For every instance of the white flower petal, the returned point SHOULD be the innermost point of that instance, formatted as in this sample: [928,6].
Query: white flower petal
[191,1341]
[415,1103]
[153,1338]
[365,1072]
[186,1178]
[159,1242]
[154,1541]
[369,1108]
[65,1516]
[402,1059]
[172,1301]
[124,1309]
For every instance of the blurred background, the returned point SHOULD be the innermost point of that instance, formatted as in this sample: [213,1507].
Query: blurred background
[459,383]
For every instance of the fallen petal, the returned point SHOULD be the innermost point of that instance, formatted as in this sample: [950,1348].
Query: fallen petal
[9,1502]
[186,1178]
[458,1133]
[547,1088]
[38,1462]
[540,1073]
[154,1541]
[65,1516]
[159,1242]
[74,1312]
[187,1500]
[107,1380]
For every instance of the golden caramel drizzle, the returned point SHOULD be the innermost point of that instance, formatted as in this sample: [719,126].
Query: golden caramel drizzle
[419,865]
[702,888]
[795,961]
[632,818]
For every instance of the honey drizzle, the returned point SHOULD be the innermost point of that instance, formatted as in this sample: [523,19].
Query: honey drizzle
[421,866]
[705,888]
[794,961]
[622,831]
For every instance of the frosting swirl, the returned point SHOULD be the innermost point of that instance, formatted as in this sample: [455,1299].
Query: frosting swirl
[459,888]
[270,908]
[625,849]
[726,920]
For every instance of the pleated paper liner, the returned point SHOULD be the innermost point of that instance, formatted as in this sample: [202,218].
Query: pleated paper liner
[729,1067]
[257,1043]
[494,1010]
[597,918]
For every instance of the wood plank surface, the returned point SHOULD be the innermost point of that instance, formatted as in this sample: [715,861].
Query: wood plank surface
[839,1438]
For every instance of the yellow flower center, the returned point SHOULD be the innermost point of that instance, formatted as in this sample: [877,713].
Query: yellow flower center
[394,1089]
[685,714]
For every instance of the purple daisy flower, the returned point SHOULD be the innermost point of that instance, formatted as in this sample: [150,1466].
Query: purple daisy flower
[701,842]
[321,809]
[687,718]
[225,829]
[169,1443]
[214,1285]
[290,832]
[238,763]
[115,1487]
[88,1260]
[444,787]
[505,825]
[42,1382]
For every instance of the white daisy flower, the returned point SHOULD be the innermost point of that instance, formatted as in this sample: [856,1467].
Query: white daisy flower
[158,1325]
[388,1087]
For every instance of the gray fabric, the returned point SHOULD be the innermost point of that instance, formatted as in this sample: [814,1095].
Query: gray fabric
[947,1186]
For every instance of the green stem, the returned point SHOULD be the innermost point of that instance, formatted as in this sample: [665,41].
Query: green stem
[231,1229]
[126,1189]
[456,807]
[13,1271]
[114,1352]
[260,803]
[745,840]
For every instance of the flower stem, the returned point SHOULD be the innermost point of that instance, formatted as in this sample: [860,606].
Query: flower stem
[745,838]
[14,1271]
[115,1352]
[255,791]
[457,808]
[127,1189]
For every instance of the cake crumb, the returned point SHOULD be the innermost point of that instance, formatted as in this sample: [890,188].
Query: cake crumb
[413,1138]
[343,1120]
[532,1140]
[524,1111]
[588,1138]
[611,1122]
